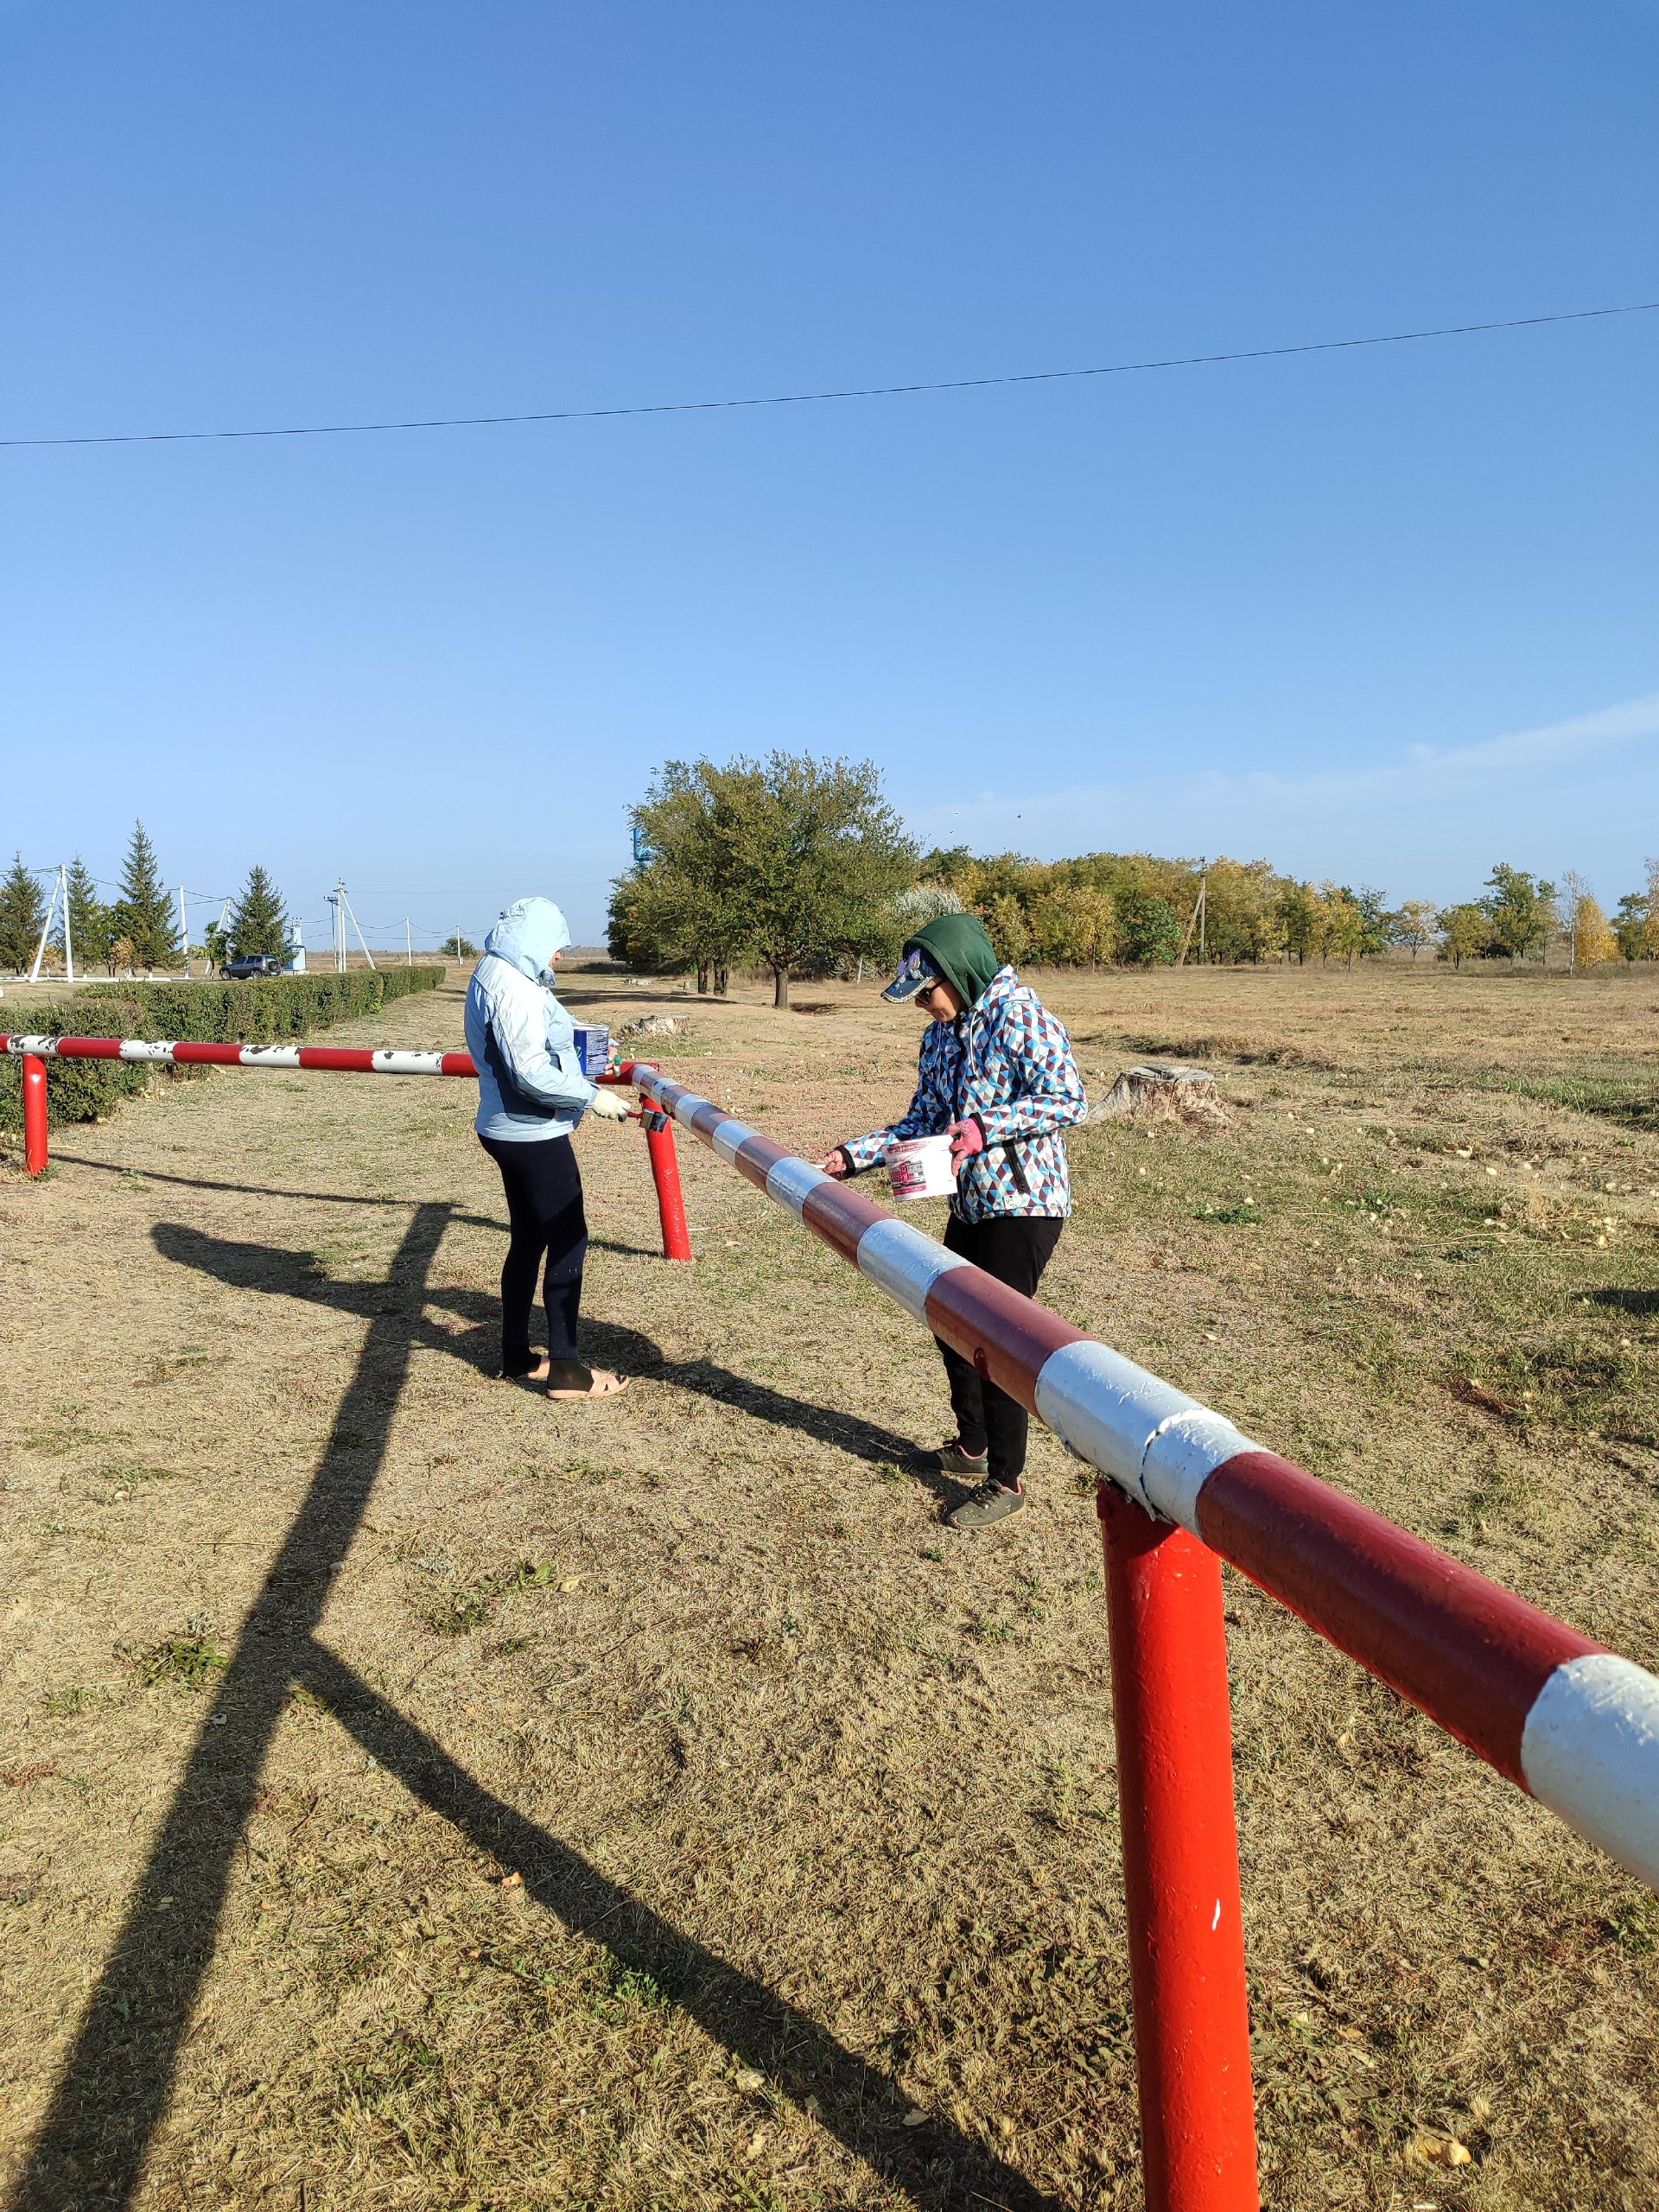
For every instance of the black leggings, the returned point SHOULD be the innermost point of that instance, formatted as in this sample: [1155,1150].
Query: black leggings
[543,1188]
[1016,1249]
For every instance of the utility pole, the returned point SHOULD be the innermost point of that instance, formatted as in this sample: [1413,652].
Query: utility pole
[337,900]
[184,931]
[409,947]
[68,949]
[1198,917]
[362,939]
[58,884]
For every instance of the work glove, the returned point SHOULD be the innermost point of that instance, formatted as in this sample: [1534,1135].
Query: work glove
[836,1163]
[967,1138]
[609,1105]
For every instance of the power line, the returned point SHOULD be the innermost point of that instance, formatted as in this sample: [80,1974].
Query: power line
[858,391]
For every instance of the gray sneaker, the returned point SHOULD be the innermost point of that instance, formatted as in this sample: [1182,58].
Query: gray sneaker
[952,1460]
[990,1501]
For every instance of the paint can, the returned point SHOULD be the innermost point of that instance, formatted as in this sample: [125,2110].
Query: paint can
[920,1167]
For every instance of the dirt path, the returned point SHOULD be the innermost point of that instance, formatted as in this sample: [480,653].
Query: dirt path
[439,1800]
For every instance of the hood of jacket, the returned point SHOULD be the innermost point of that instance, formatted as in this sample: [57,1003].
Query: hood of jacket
[959,949]
[527,936]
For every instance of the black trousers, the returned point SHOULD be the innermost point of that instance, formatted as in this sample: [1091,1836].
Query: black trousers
[1016,1249]
[543,1188]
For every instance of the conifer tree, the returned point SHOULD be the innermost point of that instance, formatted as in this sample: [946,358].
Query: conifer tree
[143,913]
[257,923]
[89,918]
[22,917]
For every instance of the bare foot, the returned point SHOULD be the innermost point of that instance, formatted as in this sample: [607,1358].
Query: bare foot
[604,1385]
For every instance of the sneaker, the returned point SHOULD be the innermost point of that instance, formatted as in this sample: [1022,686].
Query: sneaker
[990,1501]
[952,1460]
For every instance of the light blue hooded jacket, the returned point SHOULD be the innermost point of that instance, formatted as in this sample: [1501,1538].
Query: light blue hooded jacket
[531,1085]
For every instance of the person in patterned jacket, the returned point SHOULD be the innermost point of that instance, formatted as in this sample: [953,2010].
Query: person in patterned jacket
[996,1074]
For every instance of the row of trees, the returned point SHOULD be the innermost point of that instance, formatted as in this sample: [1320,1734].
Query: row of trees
[799,865]
[138,929]
[1521,916]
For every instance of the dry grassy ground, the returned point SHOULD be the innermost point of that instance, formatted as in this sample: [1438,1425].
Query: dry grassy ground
[416,1796]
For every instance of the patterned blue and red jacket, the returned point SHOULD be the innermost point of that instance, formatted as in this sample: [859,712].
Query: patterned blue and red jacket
[1006,1063]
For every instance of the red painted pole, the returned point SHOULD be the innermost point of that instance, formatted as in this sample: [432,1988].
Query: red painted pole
[1180,1863]
[34,1148]
[665,1174]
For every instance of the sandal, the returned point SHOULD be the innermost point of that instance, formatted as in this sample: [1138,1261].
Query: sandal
[570,1378]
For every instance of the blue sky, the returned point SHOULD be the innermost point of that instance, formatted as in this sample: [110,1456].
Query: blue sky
[1387,614]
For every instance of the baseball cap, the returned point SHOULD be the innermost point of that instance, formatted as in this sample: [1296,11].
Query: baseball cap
[915,970]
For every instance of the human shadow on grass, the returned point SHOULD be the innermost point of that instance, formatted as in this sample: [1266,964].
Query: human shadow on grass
[285,1272]
[94,2144]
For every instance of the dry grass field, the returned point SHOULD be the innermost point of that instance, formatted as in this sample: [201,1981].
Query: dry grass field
[414,1796]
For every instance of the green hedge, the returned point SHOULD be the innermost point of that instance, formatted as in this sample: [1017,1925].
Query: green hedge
[263,1012]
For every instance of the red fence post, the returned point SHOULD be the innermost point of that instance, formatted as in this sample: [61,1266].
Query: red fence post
[35,1146]
[665,1174]
[1180,1863]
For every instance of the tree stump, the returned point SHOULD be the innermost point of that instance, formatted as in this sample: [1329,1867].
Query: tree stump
[1165,1091]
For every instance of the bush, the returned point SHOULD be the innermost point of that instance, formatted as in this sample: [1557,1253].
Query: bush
[268,1011]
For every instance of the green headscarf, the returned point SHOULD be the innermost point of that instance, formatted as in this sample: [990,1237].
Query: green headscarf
[959,949]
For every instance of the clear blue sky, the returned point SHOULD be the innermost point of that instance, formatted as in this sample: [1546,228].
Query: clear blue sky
[1389,614]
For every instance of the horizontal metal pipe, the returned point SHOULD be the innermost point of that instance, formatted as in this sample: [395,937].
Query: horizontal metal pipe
[1572,1723]
[338,1059]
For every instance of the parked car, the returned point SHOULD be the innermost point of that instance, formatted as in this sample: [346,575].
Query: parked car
[250,963]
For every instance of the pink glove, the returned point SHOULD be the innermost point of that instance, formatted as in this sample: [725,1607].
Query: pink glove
[967,1138]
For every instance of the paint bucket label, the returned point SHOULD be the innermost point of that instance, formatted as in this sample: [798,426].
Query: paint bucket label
[920,1168]
[593,1047]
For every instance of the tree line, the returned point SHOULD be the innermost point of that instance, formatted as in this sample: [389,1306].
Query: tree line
[138,929]
[799,866]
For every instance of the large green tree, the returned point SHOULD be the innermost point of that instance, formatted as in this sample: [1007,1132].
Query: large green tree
[817,857]
[258,923]
[795,860]
[22,917]
[143,915]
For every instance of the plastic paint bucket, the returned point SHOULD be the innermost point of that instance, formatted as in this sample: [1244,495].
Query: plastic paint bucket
[920,1168]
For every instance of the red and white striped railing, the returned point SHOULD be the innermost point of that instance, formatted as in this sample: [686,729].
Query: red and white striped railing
[342,1059]
[337,1059]
[1569,1721]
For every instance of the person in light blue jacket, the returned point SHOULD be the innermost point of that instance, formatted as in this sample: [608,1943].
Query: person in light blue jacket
[531,1095]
